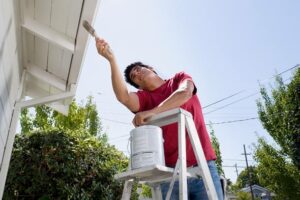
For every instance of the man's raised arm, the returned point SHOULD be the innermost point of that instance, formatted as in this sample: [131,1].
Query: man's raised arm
[129,99]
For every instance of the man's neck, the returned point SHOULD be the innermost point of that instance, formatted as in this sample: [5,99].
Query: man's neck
[155,83]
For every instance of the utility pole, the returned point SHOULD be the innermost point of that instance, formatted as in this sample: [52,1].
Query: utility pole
[249,174]
[236,170]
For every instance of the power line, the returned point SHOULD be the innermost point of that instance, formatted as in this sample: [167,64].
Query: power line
[234,166]
[244,90]
[233,121]
[116,121]
[213,123]
[223,99]
[232,103]
[231,159]
[230,96]
[235,101]
[224,122]
[298,65]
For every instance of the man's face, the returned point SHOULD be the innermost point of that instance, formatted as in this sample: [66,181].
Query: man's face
[139,75]
[135,73]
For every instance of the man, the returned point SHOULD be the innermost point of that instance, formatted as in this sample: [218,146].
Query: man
[156,95]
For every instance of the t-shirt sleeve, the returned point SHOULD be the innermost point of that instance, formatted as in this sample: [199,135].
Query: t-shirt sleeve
[182,76]
[143,100]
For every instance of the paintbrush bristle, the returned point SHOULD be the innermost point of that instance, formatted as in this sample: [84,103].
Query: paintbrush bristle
[88,27]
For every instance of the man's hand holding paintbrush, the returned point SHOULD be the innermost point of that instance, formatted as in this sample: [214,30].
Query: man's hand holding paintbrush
[104,49]
[118,83]
[102,46]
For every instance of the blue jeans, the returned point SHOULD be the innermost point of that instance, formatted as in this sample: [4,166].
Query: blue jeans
[196,188]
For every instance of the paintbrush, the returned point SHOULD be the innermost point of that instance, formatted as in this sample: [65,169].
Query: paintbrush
[92,31]
[89,28]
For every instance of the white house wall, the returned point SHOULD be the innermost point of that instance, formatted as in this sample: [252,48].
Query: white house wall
[10,74]
[49,35]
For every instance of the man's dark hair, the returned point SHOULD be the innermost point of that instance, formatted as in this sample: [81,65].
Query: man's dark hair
[128,70]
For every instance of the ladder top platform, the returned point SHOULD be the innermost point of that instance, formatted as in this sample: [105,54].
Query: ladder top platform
[151,173]
[167,117]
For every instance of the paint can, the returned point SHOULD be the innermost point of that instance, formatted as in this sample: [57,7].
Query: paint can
[146,145]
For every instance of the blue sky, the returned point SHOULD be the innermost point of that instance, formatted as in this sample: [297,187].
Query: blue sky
[228,47]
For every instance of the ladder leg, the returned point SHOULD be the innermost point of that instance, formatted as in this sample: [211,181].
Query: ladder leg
[173,181]
[202,163]
[182,158]
[156,192]
[127,190]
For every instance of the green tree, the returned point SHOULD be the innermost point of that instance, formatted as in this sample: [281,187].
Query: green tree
[64,157]
[280,116]
[216,147]
[278,164]
[92,122]
[42,119]
[60,165]
[243,196]
[26,121]
[243,178]
[277,172]
[80,117]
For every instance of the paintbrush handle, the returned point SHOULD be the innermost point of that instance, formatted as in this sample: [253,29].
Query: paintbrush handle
[95,35]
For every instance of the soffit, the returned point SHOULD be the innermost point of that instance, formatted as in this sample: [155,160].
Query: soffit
[54,44]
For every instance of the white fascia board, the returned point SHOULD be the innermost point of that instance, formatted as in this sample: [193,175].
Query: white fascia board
[45,100]
[49,34]
[47,77]
[88,13]
[64,109]
[10,138]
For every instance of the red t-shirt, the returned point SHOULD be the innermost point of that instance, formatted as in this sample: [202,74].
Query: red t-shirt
[151,99]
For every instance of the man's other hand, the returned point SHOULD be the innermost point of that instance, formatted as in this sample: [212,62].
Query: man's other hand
[142,117]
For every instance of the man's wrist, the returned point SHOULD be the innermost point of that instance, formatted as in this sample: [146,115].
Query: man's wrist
[112,61]
[156,110]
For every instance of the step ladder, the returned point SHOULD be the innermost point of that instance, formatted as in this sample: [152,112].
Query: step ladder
[154,175]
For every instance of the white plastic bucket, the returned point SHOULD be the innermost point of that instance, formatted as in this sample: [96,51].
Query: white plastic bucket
[146,145]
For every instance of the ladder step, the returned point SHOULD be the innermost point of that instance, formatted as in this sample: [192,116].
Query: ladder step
[149,174]
[153,173]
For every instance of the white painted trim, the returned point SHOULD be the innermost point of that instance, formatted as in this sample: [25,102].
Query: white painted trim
[29,25]
[88,13]
[201,160]
[10,138]
[182,157]
[13,124]
[64,109]
[23,34]
[47,77]
[49,34]
[8,149]
[47,99]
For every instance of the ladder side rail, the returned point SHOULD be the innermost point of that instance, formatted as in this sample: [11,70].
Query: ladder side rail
[182,158]
[184,120]
[175,174]
[201,160]
[167,117]
[156,192]
[127,189]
